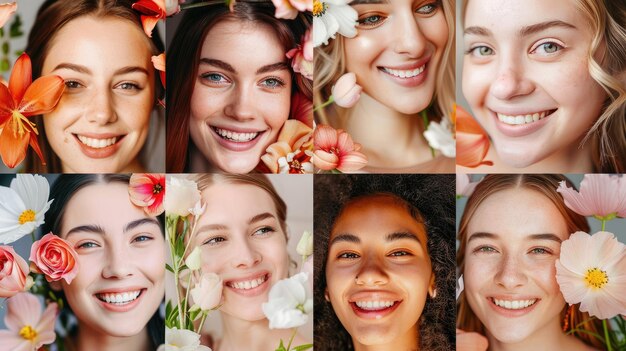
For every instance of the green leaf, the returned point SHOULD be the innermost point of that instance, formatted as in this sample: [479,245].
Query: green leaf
[1,32]
[169,268]
[303,347]
[5,48]
[281,347]
[5,65]
[16,27]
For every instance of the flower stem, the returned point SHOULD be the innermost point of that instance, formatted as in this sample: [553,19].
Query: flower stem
[606,333]
[330,100]
[603,224]
[32,235]
[187,294]
[204,315]
[293,335]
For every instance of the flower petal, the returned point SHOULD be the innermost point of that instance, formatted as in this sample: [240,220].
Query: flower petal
[325,137]
[42,96]
[21,77]
[7,105]
[6,10]
[13,145]
[352,161]
[22,309]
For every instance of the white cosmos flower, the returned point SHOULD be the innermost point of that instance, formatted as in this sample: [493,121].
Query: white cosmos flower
[331,17]
[439,136]
[290,302]
[22,206]
[182,340]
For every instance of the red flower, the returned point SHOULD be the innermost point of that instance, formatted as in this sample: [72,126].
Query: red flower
[55,258]
[472,143]
[19,101]
[335,150]
[151,12]
[289,153]
[147,190]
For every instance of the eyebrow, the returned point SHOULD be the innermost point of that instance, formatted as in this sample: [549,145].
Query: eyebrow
[401,235]
[85,70]
[278,66]
[345,237]
[543,236]
[96,229]
[351,238]
[134,224]
[524,31]
[366,2]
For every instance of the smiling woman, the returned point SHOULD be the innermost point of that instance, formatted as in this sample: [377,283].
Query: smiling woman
[102,121]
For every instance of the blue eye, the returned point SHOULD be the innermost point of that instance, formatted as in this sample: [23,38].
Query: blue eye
[541,251]
[88,245]
[142,238]
[129,86]
[547,48]
[272,83]
[371,21]
[214,78]
[428,9]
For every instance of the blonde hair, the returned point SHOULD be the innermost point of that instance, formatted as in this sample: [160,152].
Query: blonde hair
[329,63]
[545,184]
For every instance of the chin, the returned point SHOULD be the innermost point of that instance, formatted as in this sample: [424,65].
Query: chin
[516,159]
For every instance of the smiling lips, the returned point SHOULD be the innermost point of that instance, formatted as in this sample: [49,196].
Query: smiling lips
[523,118]
[514,304]
[119,299]
[247,284]
[234,136]
[404,73]
[99,145]
[96,143]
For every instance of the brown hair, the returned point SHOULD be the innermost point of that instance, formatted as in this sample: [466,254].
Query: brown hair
[51,17]
[545,184]
[184,57]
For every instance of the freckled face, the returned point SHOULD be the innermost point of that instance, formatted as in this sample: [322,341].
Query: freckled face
[526,76]
[101,122]
[398,51]
[378,270]
[509,276]
[239,101]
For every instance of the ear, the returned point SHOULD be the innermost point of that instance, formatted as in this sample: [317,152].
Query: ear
[432,289]
[56,285]
[326,296]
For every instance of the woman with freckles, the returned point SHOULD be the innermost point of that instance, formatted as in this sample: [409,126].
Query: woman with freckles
[510,236]
[103,120]
[402,57]
[547,81]
[116,294]
[383,262]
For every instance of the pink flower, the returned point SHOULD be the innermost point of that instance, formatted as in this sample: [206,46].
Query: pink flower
[302,109]
[147,190]
[151,12]
[346,92]
[464,185]
[592,271]
[207,293]
[600,195]
[302,57]
[288,153]
[55,258]
[289,8]
[159,65]
[6,11]
[29,329]
[334,149]
[13,272]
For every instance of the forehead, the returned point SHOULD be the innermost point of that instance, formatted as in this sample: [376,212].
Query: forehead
[232,201]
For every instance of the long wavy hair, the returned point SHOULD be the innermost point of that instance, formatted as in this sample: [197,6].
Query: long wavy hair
[430,199]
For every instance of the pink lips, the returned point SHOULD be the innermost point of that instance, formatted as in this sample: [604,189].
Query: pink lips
[258,290]
[410,82]
[233,145]
[99,152]
[510,312]
[374,314]
[120,308]
[516,131]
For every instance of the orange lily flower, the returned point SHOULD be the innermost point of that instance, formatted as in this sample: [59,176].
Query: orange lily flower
[19,101]
[335,150]
[151,12]
[159,65]
[289,153]
[472,143]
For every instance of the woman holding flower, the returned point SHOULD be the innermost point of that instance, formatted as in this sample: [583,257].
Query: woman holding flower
[234,84]
[401,53]
[515,232]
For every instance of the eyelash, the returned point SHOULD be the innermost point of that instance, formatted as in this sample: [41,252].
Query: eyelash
[400,253]
[264,231]
[485,249]
[543,251]
[129,86]
[221,79]
[279,83]
[72,84]
[214,241]
[143,238]
[85,245]
[377,19]
[474,52]
[558,46]
[349,255]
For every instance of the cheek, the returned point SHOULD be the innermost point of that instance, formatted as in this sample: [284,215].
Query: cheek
[435,30]
[203,104]
[477,273]
[475,83]
[276,109]
[360,51]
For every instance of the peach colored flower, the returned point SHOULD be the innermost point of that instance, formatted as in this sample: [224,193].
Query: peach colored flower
[147,190]
[28,328]
[159,65]
[335,150]
[591,270]
[464,185]
[600,195]
[289,8]
[288,153]
[151,12]
[13,272]
[346,92]
[6,11]
[25,98]
[55,258]
[302,57]
[207,293]
[472,143]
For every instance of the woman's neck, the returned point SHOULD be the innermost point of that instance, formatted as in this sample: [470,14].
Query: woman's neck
[388,138]
[407,342]
[89,339]
[240,334]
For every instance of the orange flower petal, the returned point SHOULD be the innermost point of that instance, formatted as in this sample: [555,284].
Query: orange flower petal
[34,143]
[6,104]
[42,96]
[295,133]
[21,77]
[273,153]
[472,143]
[13,145]
[149,23]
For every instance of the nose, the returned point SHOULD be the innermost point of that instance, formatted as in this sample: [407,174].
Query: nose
[371,273]
[246,255]
[510,273]
[102,109]
[241,105]
[408,38]
[117,264]
[511,80]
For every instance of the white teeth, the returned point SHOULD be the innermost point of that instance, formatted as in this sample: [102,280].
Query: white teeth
[119,299]
[514,304]
[374,305]
[404,73]
[233,136]
[97,143]
[247,285]
[521,119]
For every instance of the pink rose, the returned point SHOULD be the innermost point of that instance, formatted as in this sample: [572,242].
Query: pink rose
[13,272]
[346,92]
[55,258]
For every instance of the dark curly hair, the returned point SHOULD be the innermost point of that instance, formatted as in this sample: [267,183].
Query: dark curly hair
[433,196]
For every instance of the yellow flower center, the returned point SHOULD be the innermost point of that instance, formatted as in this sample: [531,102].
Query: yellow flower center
[27,216]
[318,8]
[28,333]
[596,278]
[19,123]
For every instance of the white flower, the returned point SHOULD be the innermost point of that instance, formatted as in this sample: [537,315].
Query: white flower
[331,17]
[182,340]
[181,196]
[439,136]
[284,163]
[290,302]
[22,206]
[194,260]
[207,294]
[305,245]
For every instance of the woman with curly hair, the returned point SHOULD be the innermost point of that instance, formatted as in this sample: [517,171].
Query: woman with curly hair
[384,262]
